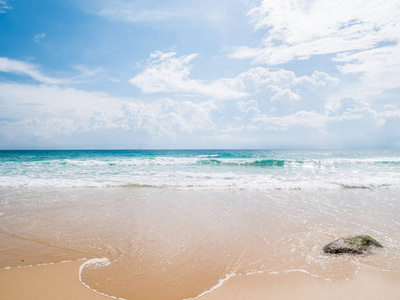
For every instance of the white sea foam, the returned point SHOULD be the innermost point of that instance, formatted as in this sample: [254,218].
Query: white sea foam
[265,171]
[220,282]
[96,262]
[301,271]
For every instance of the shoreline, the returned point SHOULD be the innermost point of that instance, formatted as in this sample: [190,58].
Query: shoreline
[370,283]
[218,245]
[61,281]
[46,281]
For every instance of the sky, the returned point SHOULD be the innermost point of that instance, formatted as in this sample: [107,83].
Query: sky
[168,74]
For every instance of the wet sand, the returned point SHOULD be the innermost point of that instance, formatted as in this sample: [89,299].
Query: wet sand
[32,269]
[170,244]
[55,281]
[370,283]
[60,281]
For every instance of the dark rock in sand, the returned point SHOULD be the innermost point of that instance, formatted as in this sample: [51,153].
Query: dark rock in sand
[355,244]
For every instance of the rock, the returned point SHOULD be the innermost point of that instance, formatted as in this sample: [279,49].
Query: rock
[354,244]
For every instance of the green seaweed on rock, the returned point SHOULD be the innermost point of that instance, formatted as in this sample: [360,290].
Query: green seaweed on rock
[357,244]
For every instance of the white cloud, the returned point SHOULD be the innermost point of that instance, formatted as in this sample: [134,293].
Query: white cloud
[42,113]
[361,37]
[39,36]
[35,128]
[187,115]
[22,101]
[318,80]
[113,79]
[38,39]
[206,11]
[283,94]
[298,29]
[98,111]
[260,77]
[275,108]
[8,65]
[299,119]
[169,118]
[349,123]
[49,115]
[4,6]
[250,107]
[167,73]
[378,68]
[389,111]
[13,66]
[134,12]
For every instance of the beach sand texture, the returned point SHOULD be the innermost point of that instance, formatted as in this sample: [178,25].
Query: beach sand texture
[55,281]
[60,281]
[151,243]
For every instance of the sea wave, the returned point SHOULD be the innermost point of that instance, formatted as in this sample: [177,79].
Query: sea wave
[215,160]
[252,163]
[201,170]
[208,181]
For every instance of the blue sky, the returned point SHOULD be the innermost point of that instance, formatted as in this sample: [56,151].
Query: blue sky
[199,74]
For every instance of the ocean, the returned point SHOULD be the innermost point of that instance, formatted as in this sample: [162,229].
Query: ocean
[202,169]
[176,224]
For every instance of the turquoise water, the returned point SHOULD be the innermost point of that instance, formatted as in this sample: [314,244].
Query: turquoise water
[202,169]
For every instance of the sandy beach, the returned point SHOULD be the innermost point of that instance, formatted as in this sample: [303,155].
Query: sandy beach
[55,281]
[147,243]
[31,269]
[60,281]
[212,150]
[369,284]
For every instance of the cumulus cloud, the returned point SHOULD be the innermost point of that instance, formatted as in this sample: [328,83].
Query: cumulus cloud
[298,119]
[43,112]
[279,99]
[267,108]
[261,77]
[348,123]
[167,73]
[46,115]
[282,92]
[361,37]
[167,117]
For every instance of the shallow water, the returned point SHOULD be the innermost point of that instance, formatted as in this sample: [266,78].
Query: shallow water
[202,169]
[165,243]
